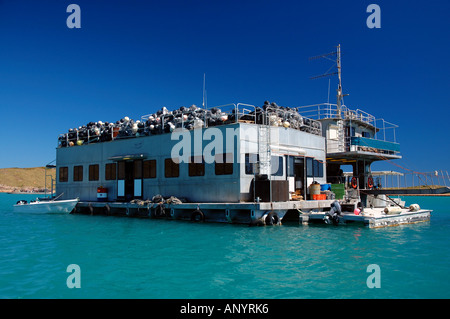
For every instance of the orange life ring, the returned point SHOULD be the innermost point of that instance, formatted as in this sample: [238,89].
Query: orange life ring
[370,182]
[354,182]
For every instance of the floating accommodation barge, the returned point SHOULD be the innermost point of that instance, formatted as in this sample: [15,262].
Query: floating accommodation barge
[256,165]
[235,163]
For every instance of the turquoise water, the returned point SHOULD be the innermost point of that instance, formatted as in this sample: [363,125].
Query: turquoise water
[123,257]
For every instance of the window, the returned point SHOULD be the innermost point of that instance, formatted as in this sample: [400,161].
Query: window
[110,171]
[149,169]
[197,166]
[78,173]
[318,168]
[63,174]
[93,172]
[276,163]
[137,169]
[224,164]
[121,170]
[366,134]
[314,168]
[309,167]
[251,161]
[171,168]
[290,166]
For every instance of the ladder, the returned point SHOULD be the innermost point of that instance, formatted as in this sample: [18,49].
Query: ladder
[264,152]
[340,136]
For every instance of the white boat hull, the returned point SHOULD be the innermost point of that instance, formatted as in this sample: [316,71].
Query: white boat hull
[47,207]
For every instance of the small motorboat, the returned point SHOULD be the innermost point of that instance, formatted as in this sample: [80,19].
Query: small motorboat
[46,207]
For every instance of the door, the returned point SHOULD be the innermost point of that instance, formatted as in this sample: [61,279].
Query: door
[129,180]
[137,178]
[290,174]
[347,138]
[299,174]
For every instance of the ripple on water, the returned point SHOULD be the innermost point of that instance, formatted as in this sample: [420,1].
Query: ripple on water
[139,258]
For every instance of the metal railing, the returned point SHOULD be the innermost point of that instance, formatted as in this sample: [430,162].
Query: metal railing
[383,130]
[415,180]
[331,111]
[327,110]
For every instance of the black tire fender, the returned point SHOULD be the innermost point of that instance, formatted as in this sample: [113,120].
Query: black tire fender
[197,216]
[272,219]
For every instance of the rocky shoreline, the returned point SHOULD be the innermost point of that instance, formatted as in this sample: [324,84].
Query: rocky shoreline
[22,190]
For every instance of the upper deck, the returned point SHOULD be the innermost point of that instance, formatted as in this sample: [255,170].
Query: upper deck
[165,121]
[354,133]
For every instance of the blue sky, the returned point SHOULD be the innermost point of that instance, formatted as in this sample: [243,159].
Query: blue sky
[130,58]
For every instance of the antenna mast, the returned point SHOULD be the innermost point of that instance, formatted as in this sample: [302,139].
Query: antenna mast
[337,63]
[339,90]
[204,91]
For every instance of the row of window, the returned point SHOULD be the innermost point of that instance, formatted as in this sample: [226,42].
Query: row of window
[143,169]
[314,168]
[78,173]
[147,169]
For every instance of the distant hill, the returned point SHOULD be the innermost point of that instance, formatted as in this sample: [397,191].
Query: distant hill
[30,179]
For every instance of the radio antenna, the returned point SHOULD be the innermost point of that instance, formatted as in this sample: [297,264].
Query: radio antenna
[335,57]
[204,103]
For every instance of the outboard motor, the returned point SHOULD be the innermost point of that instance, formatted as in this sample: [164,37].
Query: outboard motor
[332,217]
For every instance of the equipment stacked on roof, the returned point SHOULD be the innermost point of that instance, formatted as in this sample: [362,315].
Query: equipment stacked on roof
[165,121]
